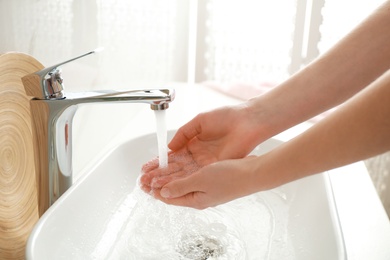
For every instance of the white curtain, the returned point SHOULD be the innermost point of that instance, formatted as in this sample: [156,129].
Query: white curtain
[144,41]
[148,41]
[247,40]
[40,28]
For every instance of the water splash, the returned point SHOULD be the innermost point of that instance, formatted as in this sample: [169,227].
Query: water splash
[241,229]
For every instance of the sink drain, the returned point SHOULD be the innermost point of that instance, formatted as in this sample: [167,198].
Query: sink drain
[200,247]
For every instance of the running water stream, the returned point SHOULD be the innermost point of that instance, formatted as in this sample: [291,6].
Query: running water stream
[161,130]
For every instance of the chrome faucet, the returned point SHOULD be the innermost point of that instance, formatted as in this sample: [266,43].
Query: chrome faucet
[52,113]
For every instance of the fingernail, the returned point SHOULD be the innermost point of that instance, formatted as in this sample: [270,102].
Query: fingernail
[165,193]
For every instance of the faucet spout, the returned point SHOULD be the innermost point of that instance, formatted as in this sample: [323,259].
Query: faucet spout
[52,134]
[158,99]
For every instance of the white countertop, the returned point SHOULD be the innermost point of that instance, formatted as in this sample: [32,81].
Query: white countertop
[365,225]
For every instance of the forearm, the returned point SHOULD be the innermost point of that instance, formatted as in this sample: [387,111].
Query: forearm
[348,67]
[358,130]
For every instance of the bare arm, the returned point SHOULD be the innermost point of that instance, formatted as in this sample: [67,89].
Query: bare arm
[358,130]
[351,65]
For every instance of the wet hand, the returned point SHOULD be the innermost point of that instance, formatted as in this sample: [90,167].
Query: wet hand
[180,164]
[211,185]
[226,133]
[207,186]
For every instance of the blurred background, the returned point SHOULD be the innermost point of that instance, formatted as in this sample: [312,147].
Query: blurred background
[179,40]
[154,43]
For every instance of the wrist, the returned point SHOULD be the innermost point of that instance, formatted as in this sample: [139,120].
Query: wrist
[266,119]
[267,172]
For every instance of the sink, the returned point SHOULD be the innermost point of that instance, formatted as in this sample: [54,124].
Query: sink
[104,215]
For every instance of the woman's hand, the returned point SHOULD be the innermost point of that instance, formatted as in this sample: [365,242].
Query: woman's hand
[224,133]
[229,132]
[180,163]
[211,185]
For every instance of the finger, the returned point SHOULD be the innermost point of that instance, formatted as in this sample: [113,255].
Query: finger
[185,134]
[197,200]
[150,165]
[181,187]
[148,177]
[147,189]
[192,200]
[158,182]
[179,156]
[145,179]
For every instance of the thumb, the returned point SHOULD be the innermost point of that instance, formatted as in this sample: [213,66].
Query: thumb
[179,187]
[185,134]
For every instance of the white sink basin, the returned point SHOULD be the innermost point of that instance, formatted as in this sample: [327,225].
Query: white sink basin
[105,216]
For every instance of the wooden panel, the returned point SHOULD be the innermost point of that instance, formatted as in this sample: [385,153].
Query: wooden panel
[18,192]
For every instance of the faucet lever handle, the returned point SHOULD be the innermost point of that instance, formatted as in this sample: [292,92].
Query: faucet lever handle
[47,83]
[49,69]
